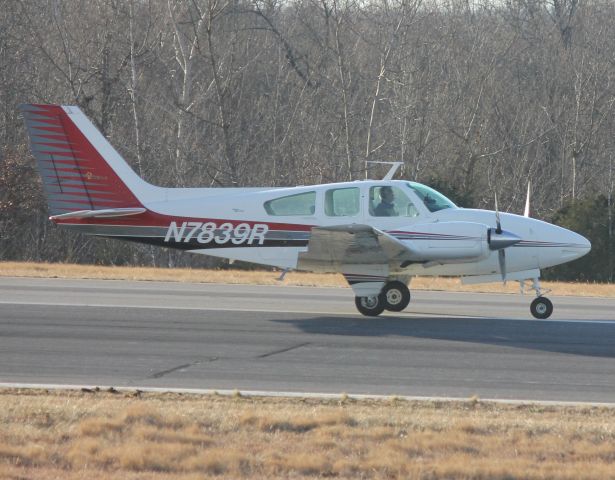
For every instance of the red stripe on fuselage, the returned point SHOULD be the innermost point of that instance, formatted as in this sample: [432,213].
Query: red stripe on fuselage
[152,219]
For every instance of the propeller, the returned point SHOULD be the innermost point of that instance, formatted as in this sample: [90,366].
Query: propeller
[499,240]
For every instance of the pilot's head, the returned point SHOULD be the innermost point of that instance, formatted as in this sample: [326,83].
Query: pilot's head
[387,195]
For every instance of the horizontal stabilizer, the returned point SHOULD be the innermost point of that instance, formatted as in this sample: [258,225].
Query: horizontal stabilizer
[103,213]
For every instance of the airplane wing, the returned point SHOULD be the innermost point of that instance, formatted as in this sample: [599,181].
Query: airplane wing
[331,248]
[363,254]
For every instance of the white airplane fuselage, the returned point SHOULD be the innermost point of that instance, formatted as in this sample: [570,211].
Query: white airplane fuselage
[542,244]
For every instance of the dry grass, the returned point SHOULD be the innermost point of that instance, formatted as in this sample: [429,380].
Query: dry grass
[70,435]
[261,277]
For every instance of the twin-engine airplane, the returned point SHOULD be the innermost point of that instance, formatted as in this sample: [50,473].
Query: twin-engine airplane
[377,233]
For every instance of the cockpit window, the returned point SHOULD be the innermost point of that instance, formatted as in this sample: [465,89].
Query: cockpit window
[390,201]
[432,199]
[300,204]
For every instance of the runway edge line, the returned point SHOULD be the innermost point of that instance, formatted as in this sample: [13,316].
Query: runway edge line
[310,395]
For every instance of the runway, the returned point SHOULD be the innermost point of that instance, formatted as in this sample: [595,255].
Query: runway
[294,339]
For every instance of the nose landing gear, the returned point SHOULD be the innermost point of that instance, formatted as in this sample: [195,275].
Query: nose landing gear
[541,307]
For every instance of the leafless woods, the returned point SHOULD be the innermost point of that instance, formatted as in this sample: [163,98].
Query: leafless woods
[473,97]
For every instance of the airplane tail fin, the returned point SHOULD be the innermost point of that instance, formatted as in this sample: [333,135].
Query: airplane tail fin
[83,175]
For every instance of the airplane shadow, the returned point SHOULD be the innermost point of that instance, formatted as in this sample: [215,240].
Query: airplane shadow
[586,339]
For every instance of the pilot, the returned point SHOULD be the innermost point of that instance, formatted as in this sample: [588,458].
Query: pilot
[386,207]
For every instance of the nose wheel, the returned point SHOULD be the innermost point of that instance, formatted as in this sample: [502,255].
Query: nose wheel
[541,307]
[395,296]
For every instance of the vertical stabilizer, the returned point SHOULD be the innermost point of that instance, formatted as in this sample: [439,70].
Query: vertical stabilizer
[79,167]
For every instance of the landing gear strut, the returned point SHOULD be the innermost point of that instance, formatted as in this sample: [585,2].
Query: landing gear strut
[395,296]
[541,307]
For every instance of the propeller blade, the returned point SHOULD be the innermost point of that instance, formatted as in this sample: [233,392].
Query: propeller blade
[526,212]
[498,230]
[502,261]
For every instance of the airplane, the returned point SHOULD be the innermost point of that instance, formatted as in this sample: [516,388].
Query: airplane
[377,233]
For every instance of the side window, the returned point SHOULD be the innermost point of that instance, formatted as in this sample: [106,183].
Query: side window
[300,204]
[342,202]
[390,201]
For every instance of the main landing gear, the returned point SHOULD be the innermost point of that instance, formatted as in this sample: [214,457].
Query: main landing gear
[541,307]
[395,296]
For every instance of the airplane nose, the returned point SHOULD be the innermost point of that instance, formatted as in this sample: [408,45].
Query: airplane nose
[576,245]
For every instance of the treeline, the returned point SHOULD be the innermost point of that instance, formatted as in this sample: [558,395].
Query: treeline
[473,97]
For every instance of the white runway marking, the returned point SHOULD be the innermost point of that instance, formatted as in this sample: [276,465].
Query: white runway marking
[228,309]
[316,395]
[303,312]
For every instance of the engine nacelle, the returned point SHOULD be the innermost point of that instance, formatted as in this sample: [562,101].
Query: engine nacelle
[450,242]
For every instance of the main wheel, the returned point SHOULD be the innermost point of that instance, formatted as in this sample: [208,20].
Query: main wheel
[396,296]
[370,306]
[541,308]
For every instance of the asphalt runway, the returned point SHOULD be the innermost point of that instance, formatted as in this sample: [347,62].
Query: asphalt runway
[294,339]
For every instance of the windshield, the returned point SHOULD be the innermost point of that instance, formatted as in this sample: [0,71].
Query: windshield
[432,199]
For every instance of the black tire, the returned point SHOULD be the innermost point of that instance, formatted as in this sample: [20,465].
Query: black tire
[541,308]
[370,306]
[396,296]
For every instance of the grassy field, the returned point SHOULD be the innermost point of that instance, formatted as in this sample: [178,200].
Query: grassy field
[99,435]
[261,277]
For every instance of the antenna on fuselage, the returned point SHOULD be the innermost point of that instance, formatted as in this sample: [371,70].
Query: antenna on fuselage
[392,171]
